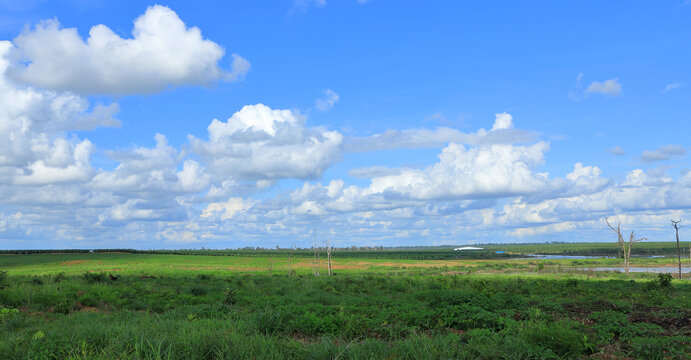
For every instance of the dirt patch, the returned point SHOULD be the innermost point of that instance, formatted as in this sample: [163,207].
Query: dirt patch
[679,320]
[223,268]
[585,309]
[342,267]
[74,262]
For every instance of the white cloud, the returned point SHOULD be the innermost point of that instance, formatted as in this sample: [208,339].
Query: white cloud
[33,122]
[129,211]
[304,5]
[496,170]
[608,87]
[66,163]
[502,133]
[259,143]
[163,52]
[327,101]
[152,171]
[546,229]
[672,86]
[502,121]
[617,150]
[227,209]
[663,153]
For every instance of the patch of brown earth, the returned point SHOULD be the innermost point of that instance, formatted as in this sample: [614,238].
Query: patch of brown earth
[223,268]
[74,262]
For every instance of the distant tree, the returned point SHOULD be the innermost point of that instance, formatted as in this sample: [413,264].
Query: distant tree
[676,226]
[625,248]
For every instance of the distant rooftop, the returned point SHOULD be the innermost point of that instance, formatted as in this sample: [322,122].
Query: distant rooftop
[468,248]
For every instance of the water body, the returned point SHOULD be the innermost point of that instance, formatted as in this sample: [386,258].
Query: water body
[639,269]
[557,257]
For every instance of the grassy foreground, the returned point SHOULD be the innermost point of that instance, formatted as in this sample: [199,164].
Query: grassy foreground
[65,306]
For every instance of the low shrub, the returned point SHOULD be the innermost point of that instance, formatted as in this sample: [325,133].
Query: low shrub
[93,277]
[197,290]
[664,280]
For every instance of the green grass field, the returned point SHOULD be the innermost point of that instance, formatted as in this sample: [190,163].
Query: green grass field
[247,306]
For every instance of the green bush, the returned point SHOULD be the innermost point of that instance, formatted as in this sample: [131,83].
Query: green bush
[198,290]
[93,277]
[665,280]
[3,279]
[65,307]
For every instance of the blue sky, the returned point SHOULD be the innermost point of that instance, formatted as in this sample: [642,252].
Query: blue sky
[373,122]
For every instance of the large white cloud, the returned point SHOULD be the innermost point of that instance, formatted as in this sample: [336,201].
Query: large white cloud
[162,52]
[152,171]
[259,143]
[496,171]
[34,147]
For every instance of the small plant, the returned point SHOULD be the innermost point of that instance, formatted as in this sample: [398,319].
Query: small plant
[3,279]
[64,307]
[198,290]
[540,266]
[36,281]
[91,278]
[204,277]
[58,277]
[664,280]
[6,314]
[229,296]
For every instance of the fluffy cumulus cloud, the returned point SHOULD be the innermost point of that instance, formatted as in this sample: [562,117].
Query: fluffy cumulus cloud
[260,143]
[162,52]
[495,170]
[610,87]
[34,149]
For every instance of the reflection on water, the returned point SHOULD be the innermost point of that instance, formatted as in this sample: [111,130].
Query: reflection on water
[657,269]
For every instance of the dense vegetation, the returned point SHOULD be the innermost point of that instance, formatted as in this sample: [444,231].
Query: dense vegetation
[411,253]
[135,306]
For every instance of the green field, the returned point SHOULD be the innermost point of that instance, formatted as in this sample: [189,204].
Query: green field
[247,305]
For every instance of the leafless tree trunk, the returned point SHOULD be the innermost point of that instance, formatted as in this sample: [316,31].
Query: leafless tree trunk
[290,254]
[676,226]
[316,262]
[625,248]
[328,254]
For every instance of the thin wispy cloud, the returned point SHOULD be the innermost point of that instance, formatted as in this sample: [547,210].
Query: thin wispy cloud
[663,153]
[610,87]
[327,100]
[672,86]
[617,150]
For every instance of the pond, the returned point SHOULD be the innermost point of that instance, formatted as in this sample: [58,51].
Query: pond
[557,257]
[646,269]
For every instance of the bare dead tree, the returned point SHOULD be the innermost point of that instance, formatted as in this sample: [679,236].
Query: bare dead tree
[676,226]
[328,254]
[317,254]
[314,260]
[290,254]
[625,248]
